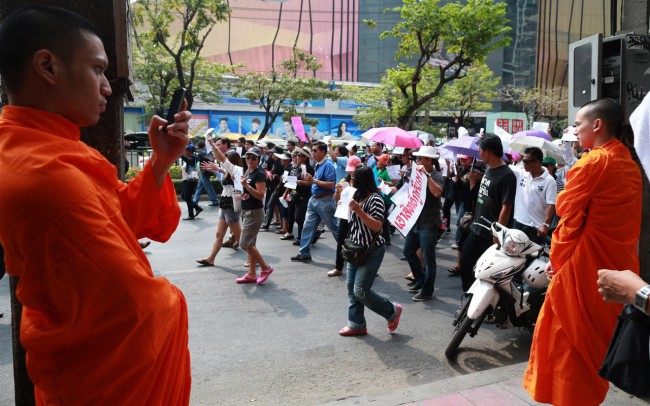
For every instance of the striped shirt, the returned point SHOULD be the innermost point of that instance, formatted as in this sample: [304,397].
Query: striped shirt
[359,231]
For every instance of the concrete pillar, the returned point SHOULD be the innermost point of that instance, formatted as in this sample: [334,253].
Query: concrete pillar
[105,137]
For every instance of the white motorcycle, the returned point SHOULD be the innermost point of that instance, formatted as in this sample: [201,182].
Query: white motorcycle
[510,285]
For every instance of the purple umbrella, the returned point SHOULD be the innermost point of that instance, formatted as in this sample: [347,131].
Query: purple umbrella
[394,136]
[533,133]
[464,145]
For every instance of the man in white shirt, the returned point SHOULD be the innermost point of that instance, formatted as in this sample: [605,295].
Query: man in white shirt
[535,198]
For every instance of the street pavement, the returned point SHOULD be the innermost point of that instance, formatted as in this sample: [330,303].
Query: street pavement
[278,343]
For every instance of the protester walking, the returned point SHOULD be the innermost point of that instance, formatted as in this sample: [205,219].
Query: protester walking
[252,216]
[367,214]
[190,180]
[228,216]
[426,231]
[321,204]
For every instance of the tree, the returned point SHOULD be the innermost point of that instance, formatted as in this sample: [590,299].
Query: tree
[165,59]
[378,102]
[535,103]
[280,89]
[473,93]
[442,41]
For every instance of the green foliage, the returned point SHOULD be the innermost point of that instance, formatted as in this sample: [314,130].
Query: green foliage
[443,42]
[280,90]
[536,103]
[132,172]
[473,93]
[164,62]
[290,111]
[380,102]
[175,172]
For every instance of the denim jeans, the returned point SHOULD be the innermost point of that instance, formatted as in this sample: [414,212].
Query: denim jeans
[461,213]
[425,237]
[204,183]
[360,294]
[317,210]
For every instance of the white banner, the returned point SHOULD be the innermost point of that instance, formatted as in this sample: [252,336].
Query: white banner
[407,211]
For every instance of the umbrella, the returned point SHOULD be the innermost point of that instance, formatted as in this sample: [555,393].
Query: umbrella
[533,133]
[464,145]
[446,154]
[547,147]
[394,136]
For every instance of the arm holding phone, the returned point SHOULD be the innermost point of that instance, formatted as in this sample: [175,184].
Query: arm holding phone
[169,140]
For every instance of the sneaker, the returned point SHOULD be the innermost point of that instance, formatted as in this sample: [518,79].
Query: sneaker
[402,258]
[454,246]
[421,298]
[296,243]
[392,325]
[415,289]
[300,258]
[264,274]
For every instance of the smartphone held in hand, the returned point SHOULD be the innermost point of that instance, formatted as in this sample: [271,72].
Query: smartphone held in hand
[175,105]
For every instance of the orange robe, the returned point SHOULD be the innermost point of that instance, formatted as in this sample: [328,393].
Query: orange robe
[600,212]
[97,326]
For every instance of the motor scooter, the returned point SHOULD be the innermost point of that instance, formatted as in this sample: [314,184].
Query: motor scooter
[510,285]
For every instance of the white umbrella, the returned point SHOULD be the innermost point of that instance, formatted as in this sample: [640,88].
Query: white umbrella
[547,147]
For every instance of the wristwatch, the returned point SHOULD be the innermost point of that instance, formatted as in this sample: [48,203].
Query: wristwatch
[641,299]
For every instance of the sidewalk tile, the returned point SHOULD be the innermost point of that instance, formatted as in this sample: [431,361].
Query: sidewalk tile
[493,395]
[455,399]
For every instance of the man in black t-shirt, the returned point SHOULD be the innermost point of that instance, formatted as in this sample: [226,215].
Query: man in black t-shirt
[496,198]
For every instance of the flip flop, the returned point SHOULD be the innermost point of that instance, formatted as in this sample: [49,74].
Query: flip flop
[454,271]
[409,278]
[205,262]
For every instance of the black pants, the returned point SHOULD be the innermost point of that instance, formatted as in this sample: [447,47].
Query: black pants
[473,247]
[385,227]
[187,194]
[301,212]
[531,232]
[343,233]
[270,206]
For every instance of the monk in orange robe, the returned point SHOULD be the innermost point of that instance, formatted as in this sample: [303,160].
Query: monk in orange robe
[600,211]
[97,326]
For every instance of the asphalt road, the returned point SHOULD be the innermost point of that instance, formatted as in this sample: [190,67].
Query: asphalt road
[278,343]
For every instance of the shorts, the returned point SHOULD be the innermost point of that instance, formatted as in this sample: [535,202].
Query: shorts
[251,222]
[230,216]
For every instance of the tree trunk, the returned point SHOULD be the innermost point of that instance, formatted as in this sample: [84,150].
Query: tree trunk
[405,121]
[106,137]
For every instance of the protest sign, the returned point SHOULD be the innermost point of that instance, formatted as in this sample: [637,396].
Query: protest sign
[296,121]
[343,208]
[236,178]
[393,172]
[407,210]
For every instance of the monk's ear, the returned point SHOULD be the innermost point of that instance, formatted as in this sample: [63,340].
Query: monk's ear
[598,124]
[46,65]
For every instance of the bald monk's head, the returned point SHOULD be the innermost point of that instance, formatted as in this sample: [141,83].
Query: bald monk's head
[598,121]
[53,60]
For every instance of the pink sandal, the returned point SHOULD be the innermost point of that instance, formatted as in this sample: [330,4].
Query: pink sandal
[264,274]
[246,279]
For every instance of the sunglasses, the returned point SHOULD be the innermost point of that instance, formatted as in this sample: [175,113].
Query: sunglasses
[528,161]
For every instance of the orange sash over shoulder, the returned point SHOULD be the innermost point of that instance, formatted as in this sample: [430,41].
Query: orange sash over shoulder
[97,326]
[600,212]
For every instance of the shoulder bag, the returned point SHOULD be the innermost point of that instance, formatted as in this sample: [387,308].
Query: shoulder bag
[354,253]
[627,363]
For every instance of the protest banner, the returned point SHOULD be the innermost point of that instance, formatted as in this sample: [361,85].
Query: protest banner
[299,128]
[407,211]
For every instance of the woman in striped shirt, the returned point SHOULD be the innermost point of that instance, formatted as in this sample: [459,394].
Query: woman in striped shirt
[366,219]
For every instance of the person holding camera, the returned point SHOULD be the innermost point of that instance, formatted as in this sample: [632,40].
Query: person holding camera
[366,219]
[98,327]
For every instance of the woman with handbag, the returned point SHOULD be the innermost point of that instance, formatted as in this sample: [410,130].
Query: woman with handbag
[364,251]
[228,217]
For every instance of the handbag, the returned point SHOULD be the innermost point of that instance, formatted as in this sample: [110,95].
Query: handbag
[354,253]
[226,203]
[627,363]
[465,222]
